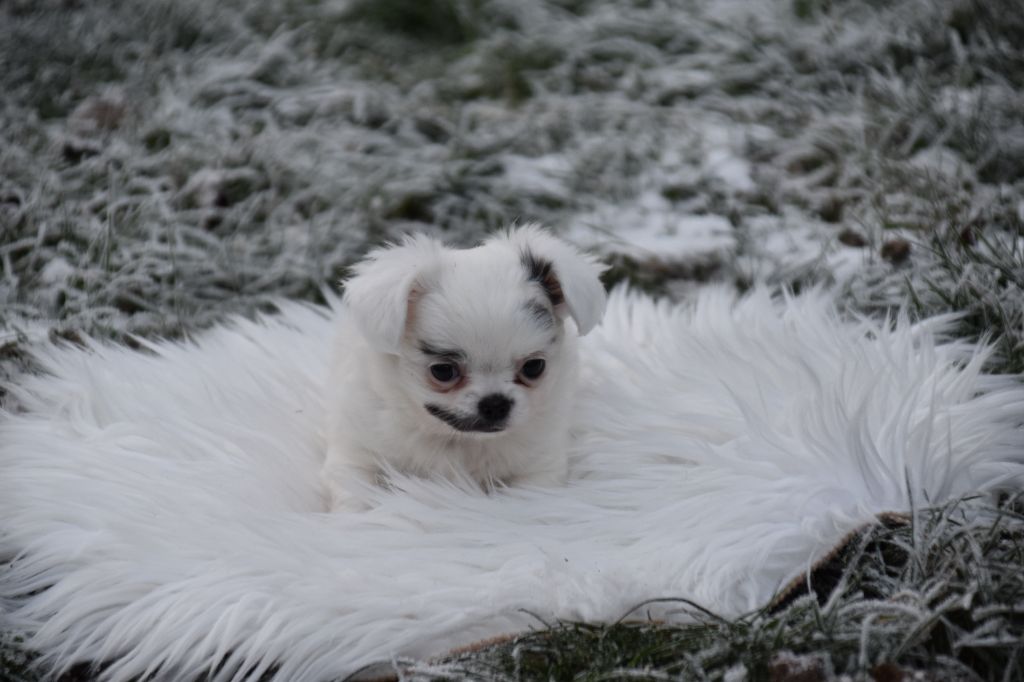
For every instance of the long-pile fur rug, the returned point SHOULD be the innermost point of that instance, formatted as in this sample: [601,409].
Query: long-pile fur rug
[160,511]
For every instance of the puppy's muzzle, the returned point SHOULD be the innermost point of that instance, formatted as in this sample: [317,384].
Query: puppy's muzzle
[491,417]
[494,408]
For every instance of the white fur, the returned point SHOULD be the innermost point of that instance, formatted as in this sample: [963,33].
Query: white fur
[161,510]
[476,301]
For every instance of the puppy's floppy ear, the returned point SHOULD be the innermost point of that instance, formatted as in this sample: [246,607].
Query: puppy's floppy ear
[384,285]
[570,279]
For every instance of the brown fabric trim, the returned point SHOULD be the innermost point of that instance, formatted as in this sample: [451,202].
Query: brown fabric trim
[827,572]
[823,577]
[482,644]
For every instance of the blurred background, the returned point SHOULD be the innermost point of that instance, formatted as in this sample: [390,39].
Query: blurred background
[164,163]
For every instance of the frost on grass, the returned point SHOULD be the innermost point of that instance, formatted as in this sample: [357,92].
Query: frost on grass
[905,603]
[164,163]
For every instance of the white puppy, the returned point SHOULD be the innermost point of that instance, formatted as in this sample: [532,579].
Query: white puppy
[459,362]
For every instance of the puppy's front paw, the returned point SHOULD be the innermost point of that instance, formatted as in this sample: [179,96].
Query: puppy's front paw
[343,501]
[352,494]
[346,487]
[543,478]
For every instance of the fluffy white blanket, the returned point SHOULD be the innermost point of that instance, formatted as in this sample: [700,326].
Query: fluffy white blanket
[161,510]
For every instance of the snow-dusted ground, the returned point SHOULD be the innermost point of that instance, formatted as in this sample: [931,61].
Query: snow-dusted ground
[164,163]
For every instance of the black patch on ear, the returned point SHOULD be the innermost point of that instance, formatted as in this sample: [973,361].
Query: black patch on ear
[540,271]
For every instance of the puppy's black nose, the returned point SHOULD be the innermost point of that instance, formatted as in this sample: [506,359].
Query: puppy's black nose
[494,407]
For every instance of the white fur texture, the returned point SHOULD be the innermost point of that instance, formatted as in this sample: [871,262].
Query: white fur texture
[161,511]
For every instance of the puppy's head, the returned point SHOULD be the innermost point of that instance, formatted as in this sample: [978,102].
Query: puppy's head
[479,335]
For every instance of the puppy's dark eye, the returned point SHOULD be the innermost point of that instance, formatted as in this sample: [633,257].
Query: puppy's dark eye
[444,372]
[532,369]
